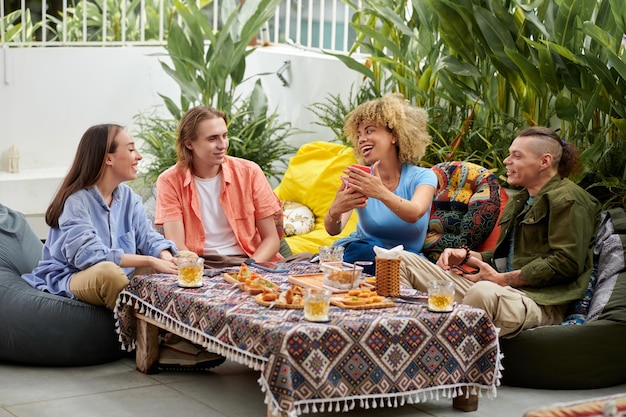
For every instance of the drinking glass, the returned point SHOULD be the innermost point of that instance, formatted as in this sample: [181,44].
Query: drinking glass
[316,304]
[330,254]
[440,296]
[190,272]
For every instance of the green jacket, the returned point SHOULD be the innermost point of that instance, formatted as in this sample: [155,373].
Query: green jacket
[554,240]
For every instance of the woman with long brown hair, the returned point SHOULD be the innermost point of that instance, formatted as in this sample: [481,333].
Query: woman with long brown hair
[99,232]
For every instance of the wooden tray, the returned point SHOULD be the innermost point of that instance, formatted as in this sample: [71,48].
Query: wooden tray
[317,281]
[259,299]
[245,288]
[337,302]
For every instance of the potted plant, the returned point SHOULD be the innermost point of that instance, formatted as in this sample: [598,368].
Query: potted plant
[208,64]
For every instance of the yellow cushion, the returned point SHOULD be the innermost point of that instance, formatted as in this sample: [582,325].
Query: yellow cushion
[313,178]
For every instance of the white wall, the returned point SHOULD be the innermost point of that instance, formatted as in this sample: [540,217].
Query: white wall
[50,96]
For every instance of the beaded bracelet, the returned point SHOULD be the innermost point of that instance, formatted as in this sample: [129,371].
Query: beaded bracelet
[467,254]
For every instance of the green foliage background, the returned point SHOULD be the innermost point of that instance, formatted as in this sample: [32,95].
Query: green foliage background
[486,68]
[209,65]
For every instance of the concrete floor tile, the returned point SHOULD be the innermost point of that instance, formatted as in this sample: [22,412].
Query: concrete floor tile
[25,384]
[148,401]
[230,390]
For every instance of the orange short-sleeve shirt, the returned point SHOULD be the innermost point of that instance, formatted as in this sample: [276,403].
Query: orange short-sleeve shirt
[245,197]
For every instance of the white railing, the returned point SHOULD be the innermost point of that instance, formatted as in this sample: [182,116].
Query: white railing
[310,24]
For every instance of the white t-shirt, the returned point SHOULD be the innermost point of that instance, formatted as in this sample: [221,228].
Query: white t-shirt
[220,238]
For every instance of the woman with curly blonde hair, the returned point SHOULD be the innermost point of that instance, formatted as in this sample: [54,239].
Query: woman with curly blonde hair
[393,199]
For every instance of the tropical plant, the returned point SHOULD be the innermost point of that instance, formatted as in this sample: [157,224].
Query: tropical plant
[487,68]
[158,136]
[333,112]
[209,65]
[115,20]
[19,27]
[257,134]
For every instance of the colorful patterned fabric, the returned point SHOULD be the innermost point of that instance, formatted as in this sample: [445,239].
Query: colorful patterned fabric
[465,208]
[577,312]
[374,358]
[612,405]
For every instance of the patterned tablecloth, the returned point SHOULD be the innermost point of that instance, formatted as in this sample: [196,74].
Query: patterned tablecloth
[373,358]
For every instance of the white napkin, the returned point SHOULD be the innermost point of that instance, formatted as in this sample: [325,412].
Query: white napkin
[393,253]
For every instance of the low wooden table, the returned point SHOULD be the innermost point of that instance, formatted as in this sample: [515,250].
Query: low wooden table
[384,357]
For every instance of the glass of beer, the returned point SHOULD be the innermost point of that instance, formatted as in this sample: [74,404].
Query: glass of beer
[440,296]
[316,304]
[190,272]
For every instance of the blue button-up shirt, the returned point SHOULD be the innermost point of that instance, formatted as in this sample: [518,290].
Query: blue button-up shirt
[90,232]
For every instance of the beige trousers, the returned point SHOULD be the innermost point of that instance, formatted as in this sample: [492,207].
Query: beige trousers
[100,284]
[510,309]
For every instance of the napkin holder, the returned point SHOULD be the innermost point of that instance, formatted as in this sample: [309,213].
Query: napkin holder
[388,277]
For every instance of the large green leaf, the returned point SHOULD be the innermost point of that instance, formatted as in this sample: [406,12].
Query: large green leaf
[353,64]
[254,14]
[453,28]
[591,106]
[452,64]
[570,14]
[496,35]
[385,12]
[547,67]
[618,8]
[608,41]
[608,79]
[565,108]
[379,38]
[532,75]
[528,11]
[193,26]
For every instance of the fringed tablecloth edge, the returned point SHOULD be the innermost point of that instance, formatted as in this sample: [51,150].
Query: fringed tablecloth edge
[395,399]
[194,335]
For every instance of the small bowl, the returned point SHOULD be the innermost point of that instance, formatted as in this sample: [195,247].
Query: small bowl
[340,275]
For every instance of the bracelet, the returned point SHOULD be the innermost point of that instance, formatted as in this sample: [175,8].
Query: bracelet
[467,254]
[333,218]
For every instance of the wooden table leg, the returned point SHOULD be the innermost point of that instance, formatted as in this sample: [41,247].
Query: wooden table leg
[463,403]
[147,353]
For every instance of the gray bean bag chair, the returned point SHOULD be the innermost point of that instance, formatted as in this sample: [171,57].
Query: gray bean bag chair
[588,350]
[38,328]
